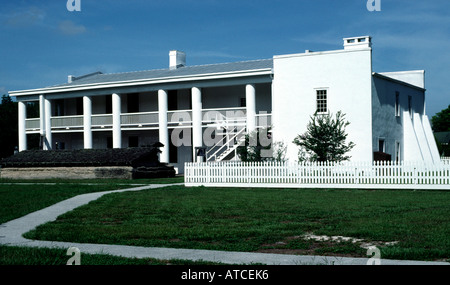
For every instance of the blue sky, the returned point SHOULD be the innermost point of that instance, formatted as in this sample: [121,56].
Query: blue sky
[42,42]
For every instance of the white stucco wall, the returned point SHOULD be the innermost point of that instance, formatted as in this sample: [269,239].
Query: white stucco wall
[385,124]
[346,74]
[431,141]
[411,129]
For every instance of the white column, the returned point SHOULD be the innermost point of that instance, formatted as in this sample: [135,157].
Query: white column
[87,121]
[22,131]
[250,100]
[197,133]
[48,124]
[116,112]
[42,115]
[163,105]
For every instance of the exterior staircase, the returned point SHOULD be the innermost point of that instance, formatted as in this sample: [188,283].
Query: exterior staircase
[232,130]
[226,148]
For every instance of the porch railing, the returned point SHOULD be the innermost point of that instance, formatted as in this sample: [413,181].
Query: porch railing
[263,120]
[67,122]
[102,120]
[32,124]
[140,119]
[179,118]
[227,115]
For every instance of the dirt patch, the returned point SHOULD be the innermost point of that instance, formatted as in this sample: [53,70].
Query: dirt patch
[310,244]
[337,239]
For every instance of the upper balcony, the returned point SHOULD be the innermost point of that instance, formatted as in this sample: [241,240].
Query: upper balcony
[149,120]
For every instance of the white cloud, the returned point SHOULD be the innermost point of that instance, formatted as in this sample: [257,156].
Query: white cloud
[70,28]
[24,18]
[208,53]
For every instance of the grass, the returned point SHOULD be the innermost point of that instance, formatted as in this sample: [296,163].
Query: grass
[263,220]
[47,256]
[18,200]
[20,197]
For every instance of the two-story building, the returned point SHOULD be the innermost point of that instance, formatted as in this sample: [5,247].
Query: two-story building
[185,107]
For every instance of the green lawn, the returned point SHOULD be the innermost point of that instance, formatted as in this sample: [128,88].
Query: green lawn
[20,197]
[48,256]
[266,220]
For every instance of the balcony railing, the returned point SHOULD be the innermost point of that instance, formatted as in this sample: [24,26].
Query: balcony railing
[139,119]
[178,118]
[32,124]
[67,122]
[102,121]
[263,120]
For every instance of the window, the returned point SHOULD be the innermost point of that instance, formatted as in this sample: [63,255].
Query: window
[79,105]
[410,106]
[173,150]
[397,104]
[381,145]
[60,145]
[109,142]
[321,101]
[108,105]
[133,103]
[397,151]
[172,100]
[243,102]
[59,108]
[133,141]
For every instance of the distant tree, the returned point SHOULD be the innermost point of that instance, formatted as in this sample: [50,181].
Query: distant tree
[324,139]
[8,126]
[441,121]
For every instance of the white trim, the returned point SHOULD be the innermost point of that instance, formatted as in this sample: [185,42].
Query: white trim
[138,82]
[313,53]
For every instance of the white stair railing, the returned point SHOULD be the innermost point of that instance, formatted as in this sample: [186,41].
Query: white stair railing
[220,150]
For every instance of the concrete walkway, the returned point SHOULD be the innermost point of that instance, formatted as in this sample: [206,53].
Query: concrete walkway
[12,231]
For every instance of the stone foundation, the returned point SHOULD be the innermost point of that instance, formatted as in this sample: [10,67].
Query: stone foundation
[103,172]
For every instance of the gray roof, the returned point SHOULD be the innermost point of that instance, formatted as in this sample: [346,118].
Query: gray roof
[98,77]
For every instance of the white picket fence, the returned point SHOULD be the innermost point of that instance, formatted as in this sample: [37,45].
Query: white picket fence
[364,175]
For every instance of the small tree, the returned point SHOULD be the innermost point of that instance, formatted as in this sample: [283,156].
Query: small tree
[258,146]
[324,139]
[255,145]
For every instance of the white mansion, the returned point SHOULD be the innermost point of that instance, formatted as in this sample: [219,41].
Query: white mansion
[177,106]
